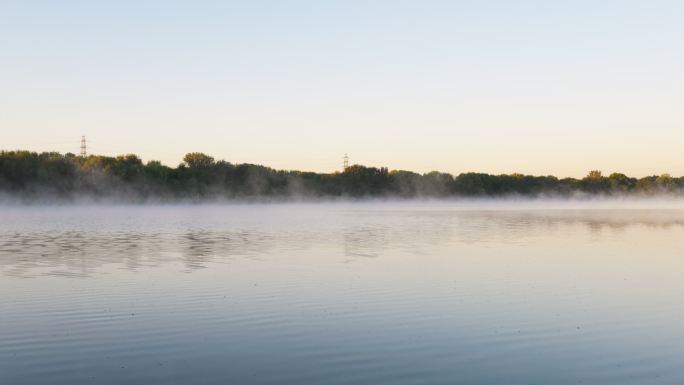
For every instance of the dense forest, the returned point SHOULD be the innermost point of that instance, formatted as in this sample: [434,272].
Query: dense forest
[31,176]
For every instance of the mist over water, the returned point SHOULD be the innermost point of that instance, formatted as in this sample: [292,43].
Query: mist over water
[465,292]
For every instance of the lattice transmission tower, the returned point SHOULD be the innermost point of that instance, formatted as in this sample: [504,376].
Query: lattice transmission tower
[83,147]
[346,162]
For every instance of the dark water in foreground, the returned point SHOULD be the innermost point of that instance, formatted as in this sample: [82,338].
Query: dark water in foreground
[341,294]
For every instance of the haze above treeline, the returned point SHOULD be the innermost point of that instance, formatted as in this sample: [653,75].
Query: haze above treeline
[31,176]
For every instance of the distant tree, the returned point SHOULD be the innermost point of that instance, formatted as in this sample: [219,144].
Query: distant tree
[198,160]
[404,183]
[646,185]
[595,182]
[436,184]
[665,182]
[621,183]
[472,183]
[128,167]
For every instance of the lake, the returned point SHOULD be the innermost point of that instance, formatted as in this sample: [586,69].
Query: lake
[343,293]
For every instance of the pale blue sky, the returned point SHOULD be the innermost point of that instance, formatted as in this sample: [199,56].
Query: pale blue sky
[538,87]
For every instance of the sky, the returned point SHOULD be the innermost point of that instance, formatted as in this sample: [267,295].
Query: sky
[536,87]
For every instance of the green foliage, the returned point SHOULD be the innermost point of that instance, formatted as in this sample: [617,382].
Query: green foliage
[595,182]
[198,160]
[30,175]
[621,182]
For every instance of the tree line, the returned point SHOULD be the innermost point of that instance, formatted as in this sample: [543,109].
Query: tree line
[29,175]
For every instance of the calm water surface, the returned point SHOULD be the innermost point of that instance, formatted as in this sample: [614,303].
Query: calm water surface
[341,294]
